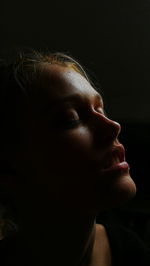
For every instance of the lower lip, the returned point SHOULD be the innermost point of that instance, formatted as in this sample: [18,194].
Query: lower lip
[117,167]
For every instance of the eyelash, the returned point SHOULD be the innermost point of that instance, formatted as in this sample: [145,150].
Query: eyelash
[66,123]
[72,123]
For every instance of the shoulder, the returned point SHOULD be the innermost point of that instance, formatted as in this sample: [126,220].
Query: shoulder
[101,232]
[102,247]
[126,246]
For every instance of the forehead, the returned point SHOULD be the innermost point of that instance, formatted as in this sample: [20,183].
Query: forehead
[58,82]
[65,79]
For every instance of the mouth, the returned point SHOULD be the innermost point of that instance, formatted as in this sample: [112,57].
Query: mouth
[111,162]
[115,159]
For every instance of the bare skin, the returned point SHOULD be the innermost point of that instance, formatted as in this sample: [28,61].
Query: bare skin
[61,161]
[101,255]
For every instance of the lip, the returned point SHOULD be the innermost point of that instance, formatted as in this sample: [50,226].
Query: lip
[119,167]
[115,159]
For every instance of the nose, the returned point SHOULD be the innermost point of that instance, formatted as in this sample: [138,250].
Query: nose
[106,130]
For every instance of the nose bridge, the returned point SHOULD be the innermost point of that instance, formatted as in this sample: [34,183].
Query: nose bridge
[106,128]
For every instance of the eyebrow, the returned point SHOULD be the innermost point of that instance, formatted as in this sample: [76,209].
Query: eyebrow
[70,98]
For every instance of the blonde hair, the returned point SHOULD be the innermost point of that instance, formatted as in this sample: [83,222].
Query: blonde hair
[26,65]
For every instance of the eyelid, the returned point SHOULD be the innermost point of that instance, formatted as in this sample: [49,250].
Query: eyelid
[101,110]
[72,113]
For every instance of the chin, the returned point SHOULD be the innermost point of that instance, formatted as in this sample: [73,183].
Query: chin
[122,191]
[119,191]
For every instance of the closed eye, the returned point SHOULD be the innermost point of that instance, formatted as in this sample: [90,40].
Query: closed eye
[72,118]
[100,110]
[71,115]
[67,120]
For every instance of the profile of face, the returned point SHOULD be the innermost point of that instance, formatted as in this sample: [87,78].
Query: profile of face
[71,154]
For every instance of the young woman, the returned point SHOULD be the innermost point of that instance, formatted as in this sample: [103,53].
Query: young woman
[61,164]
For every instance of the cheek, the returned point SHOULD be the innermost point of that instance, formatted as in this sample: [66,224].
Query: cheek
[59,153]
[64,160]
[69,145]
[68,155]
[75,151]
[77,141]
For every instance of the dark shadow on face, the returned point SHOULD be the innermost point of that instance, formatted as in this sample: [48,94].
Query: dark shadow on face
[68,142]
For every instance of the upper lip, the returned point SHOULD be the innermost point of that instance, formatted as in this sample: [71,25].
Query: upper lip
[114,156]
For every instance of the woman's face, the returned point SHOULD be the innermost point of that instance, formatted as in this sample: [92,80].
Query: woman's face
[71,153]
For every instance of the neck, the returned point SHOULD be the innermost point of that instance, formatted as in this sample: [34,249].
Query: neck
[60,239]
